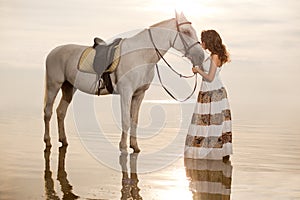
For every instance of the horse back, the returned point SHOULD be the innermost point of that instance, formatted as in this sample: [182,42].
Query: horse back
[64,55]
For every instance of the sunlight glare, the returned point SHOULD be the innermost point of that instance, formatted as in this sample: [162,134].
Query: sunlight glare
[189,7]
[179,186]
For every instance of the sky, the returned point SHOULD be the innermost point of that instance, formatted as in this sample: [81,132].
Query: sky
[39,26]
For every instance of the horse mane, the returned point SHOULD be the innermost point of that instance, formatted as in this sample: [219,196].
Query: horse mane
[160,23]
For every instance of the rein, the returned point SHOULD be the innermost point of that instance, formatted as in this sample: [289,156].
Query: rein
[180,75]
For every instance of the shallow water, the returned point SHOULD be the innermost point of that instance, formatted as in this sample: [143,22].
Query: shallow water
[265,164]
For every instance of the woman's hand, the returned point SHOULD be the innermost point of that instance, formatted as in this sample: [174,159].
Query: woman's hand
[195,70]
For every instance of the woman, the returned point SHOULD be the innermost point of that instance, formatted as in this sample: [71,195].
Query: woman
[209,135]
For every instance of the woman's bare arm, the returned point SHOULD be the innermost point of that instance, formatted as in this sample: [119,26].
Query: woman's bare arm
[212,70]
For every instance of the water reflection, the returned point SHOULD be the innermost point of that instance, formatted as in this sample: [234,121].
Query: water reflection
[66,187]
[209,179]
[130,189]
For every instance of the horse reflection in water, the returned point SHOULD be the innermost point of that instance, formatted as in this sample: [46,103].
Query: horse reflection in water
[66,187]
[130,189]
[209,179]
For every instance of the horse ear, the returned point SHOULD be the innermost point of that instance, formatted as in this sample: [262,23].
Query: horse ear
[176,15]
[182,17]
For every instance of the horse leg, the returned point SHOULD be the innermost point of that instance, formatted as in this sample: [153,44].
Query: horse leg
[67,93]
[51,91]
[134,114]
[125,113]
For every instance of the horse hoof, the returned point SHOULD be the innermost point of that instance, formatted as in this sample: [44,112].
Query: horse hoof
[135,149]
[122,148]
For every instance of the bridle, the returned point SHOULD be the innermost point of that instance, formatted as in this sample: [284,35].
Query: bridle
[187,49]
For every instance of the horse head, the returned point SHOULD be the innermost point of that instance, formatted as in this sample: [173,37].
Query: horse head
[186,40]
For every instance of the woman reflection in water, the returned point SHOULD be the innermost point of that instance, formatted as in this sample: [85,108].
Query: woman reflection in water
[209,135]
[209,179]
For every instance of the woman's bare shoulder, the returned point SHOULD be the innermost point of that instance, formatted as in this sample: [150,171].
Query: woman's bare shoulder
[216,60]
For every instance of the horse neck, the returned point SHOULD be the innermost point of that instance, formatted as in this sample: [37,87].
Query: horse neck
[162,33]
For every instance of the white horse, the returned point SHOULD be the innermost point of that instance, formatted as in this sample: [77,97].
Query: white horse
[130,80]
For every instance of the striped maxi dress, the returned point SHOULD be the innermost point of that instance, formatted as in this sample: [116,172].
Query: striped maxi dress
[209,135]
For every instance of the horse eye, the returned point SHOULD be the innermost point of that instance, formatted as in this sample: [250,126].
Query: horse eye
[186,32]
